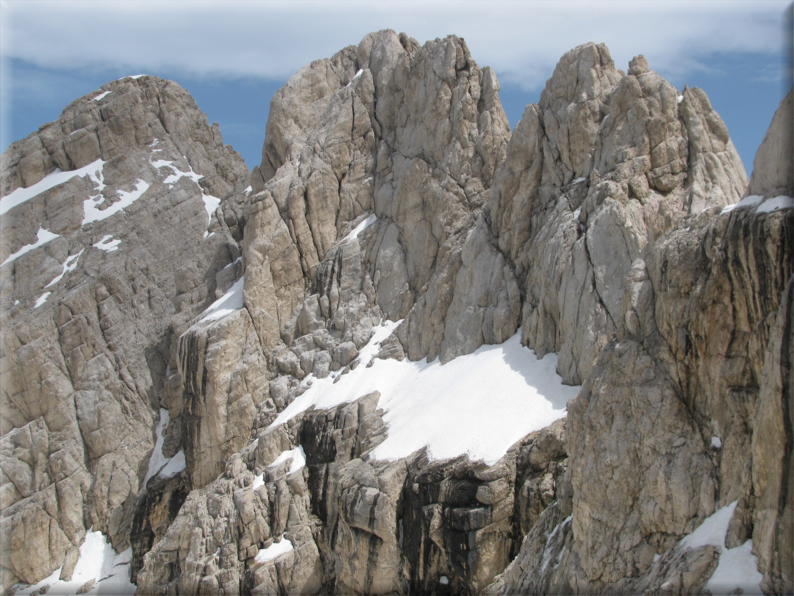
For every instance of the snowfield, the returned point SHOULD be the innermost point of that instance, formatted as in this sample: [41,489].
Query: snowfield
[226,304]
[99,562]
[479,404]
[738,567]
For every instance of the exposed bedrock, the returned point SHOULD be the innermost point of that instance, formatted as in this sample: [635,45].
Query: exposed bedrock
[605,228]
[89,317]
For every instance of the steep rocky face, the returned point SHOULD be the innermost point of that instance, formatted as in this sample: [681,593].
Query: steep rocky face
[414,136]
[391,189]
[600,168]
[670,426]
[95,286]
[773,172]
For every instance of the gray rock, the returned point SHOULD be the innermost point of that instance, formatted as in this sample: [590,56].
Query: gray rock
[773,172]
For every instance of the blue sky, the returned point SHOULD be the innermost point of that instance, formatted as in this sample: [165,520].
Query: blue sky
[233,56]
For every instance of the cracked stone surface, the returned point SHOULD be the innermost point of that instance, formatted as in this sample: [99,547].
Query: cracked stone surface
[391,187]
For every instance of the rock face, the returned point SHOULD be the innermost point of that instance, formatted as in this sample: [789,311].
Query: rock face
[90,318]
[604,228]
[773,172]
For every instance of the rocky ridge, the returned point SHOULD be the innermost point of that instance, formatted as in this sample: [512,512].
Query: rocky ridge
[603,228]
[90,317]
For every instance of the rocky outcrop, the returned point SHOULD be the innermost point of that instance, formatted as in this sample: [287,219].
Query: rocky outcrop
[600,168]
[668,424]
[604,228]
[773,172]
[89,316]
[414,136]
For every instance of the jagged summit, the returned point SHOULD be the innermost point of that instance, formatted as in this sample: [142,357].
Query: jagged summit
[302,389]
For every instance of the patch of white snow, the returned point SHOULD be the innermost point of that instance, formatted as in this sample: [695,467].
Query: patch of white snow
[107,244]
[43,236]
[298,456]
[578,180]
[210,204]
[226,304]
[716,443]
[101,95]
[258,481]
[98,561]
[443,580]
[70,264]
[175,465]
[773,204]
[159,465]
[42,299]
[479,404]
[273,551]
[233,263]
[91,205]
[360,228]
[157,460]
[737,567]
[163,163]
[174,178]
[745,202]
[56,178]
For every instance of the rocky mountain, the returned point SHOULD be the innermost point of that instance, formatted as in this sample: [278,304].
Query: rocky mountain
[413,351]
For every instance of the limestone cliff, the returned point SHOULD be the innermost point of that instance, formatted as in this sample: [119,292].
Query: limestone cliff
[184,373]
[100,275]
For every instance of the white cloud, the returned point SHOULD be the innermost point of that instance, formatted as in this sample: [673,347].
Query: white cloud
[522,40]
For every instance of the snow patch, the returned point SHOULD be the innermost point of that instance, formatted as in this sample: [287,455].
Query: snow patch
[91,205]
[43,236]
[443,580]
[163,163]
[42,299]
[159,464]
[175,465]
[737,567]
[101,95]
[479,404]
[98,561]
[233,263]
[56,178]
[679,98]
[107,244]
[745,202]
[360,228]
[780,202]
[226,304]
[70,264]
[578,180]
[716,443]
[258,481]
[298,456]
[358,74]
[210,203]
[157,460]
[273,551]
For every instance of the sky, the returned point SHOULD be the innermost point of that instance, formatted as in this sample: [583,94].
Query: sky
[233,55]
